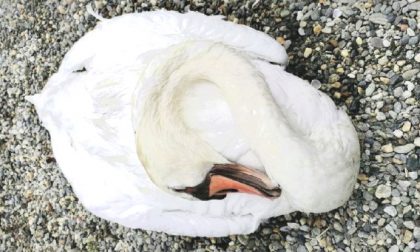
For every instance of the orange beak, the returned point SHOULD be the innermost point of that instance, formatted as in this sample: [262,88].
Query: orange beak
[225,178]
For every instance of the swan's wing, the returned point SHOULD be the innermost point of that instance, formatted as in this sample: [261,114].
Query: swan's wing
[122,40]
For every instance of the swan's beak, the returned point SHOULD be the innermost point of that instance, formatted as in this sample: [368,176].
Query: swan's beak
[224,178]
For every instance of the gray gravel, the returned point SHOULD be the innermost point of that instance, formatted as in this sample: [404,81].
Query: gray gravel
[364,54]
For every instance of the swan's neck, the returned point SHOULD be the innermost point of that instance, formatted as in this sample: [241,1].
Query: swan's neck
[168,149]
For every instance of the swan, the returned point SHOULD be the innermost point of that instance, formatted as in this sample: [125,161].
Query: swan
[190,125]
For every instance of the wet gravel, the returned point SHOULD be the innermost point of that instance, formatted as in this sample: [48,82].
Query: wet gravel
[364,54]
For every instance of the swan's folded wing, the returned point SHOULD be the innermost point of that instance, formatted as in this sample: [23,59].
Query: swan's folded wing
[124,39]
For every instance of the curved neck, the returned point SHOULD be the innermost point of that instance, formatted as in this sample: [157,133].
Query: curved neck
[165,145]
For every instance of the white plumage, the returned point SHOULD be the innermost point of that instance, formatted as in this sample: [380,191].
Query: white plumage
[180,92]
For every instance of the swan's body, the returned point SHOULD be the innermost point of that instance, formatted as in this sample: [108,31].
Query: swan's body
[164,97]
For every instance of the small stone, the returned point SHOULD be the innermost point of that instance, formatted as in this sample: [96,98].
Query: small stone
[327,30]
[315,15]
[61,9]
[413,175]
[406,94]
[316,84]
[337,13]
[409,54]
[408,235]
[301,31]
[378,18]
[416,233]
[402,149]
[317,29]
[391,211]
[383,191]
[398,133]
[410,32]
[414,6]
[409,224]
[410,85]
[370,89]
[393,248]
[395,201]
[380,116]
[280,40]
[386,43]
[333,78]
[406,126]
[417,57]
[387,148]
[376,42]
[413,41]
[417,141]
[398,92]
[383,61]
[344,53]
[408,75]
[412,163]
[404,184]
[301,248]
[359,41]
[284,13]
[307,52]
[243,239]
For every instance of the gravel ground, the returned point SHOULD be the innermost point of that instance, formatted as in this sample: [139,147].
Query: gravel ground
[365,54]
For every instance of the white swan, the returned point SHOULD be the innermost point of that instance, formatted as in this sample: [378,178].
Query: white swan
[152,114]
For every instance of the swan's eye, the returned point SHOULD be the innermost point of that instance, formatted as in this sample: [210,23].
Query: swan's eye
[81,70]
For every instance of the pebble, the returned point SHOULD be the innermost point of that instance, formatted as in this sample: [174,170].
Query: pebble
[377,42]
[408,75]
[370,89]
[391,210]
[410,32]
[406,126]
[398,133]
[378,18]
[359,41]
[307,52]
[383,61]
[345,53]
[337,13]
[402,149]
[383,192]
[409,224]
[417,57]
[316,84]
[398,91]
[393,248]
[327,30]
[417,141]
[408,235]
[61,9]
[414,6]
[416,233]
[380,116]
[387,148]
